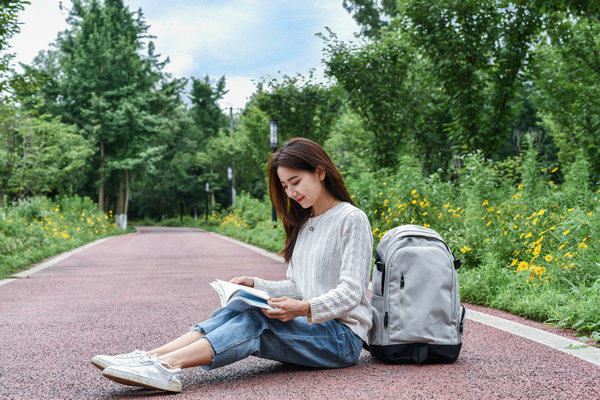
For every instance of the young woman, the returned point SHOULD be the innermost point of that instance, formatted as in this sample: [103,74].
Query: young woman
[321,315]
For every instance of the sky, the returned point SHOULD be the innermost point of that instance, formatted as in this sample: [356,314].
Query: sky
[245,40]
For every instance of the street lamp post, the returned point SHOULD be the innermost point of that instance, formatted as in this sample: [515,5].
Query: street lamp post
[207,188]
[273,140]
[230,179]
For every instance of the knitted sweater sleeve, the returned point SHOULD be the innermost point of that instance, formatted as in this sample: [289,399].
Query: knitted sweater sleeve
[356,248]
[284,288]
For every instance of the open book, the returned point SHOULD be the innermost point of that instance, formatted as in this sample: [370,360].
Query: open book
[239,297]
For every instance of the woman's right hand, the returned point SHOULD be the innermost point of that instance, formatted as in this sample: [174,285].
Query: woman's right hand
[243,280]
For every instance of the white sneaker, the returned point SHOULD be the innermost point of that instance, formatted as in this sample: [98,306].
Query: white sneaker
[103,361]
[147,372]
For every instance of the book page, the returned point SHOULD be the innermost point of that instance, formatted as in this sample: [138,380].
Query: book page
[230,289]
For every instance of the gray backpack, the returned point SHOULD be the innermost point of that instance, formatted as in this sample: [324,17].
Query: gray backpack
[417,315]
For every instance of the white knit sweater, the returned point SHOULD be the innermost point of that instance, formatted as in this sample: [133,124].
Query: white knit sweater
[330,268]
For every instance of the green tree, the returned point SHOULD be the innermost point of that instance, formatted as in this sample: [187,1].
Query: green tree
[302,107]
[104,79]
[476,51]
[567,78]
[372,16]
[9,26]
[40,155]
[176,182]
[391,87]
[205,111]
[479,50]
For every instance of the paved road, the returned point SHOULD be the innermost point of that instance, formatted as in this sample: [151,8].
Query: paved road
[140,290]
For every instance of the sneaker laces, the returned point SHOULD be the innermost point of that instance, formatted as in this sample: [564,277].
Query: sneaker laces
[154,359]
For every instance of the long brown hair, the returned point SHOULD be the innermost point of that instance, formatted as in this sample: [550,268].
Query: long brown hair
[302,154]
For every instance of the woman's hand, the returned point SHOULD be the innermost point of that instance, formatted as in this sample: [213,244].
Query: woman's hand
[243,280]
[287,309]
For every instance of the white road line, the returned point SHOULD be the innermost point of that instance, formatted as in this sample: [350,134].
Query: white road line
[560,343]
[53,261]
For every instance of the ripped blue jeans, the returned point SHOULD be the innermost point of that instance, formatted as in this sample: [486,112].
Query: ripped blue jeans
[235,336]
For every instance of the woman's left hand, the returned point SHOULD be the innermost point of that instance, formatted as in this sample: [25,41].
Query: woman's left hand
[287,309]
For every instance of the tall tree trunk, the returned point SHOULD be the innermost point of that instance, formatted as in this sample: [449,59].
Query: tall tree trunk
[120,202]
[126,206]
[121,215]
[101,182]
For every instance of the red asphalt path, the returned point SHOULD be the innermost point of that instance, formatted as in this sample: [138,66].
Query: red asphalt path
[143,289]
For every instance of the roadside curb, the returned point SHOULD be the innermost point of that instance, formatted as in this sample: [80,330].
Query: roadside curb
[54,260]
[573,347]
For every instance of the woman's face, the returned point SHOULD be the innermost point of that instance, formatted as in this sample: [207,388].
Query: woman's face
[304,187]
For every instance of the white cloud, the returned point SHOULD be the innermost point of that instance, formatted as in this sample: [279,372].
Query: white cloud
[40,24]
[240,88]
[181,65]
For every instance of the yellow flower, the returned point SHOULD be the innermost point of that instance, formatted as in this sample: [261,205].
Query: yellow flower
[551,182]
[541,212]
[554,170]
[485,203]
[566,232]
[540,270]
[582,245]
[523,265]
[520,186]
[537,250]
[528,235]
[570,209]
[548,257]
[514,261]
[465,249]
[414,201]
